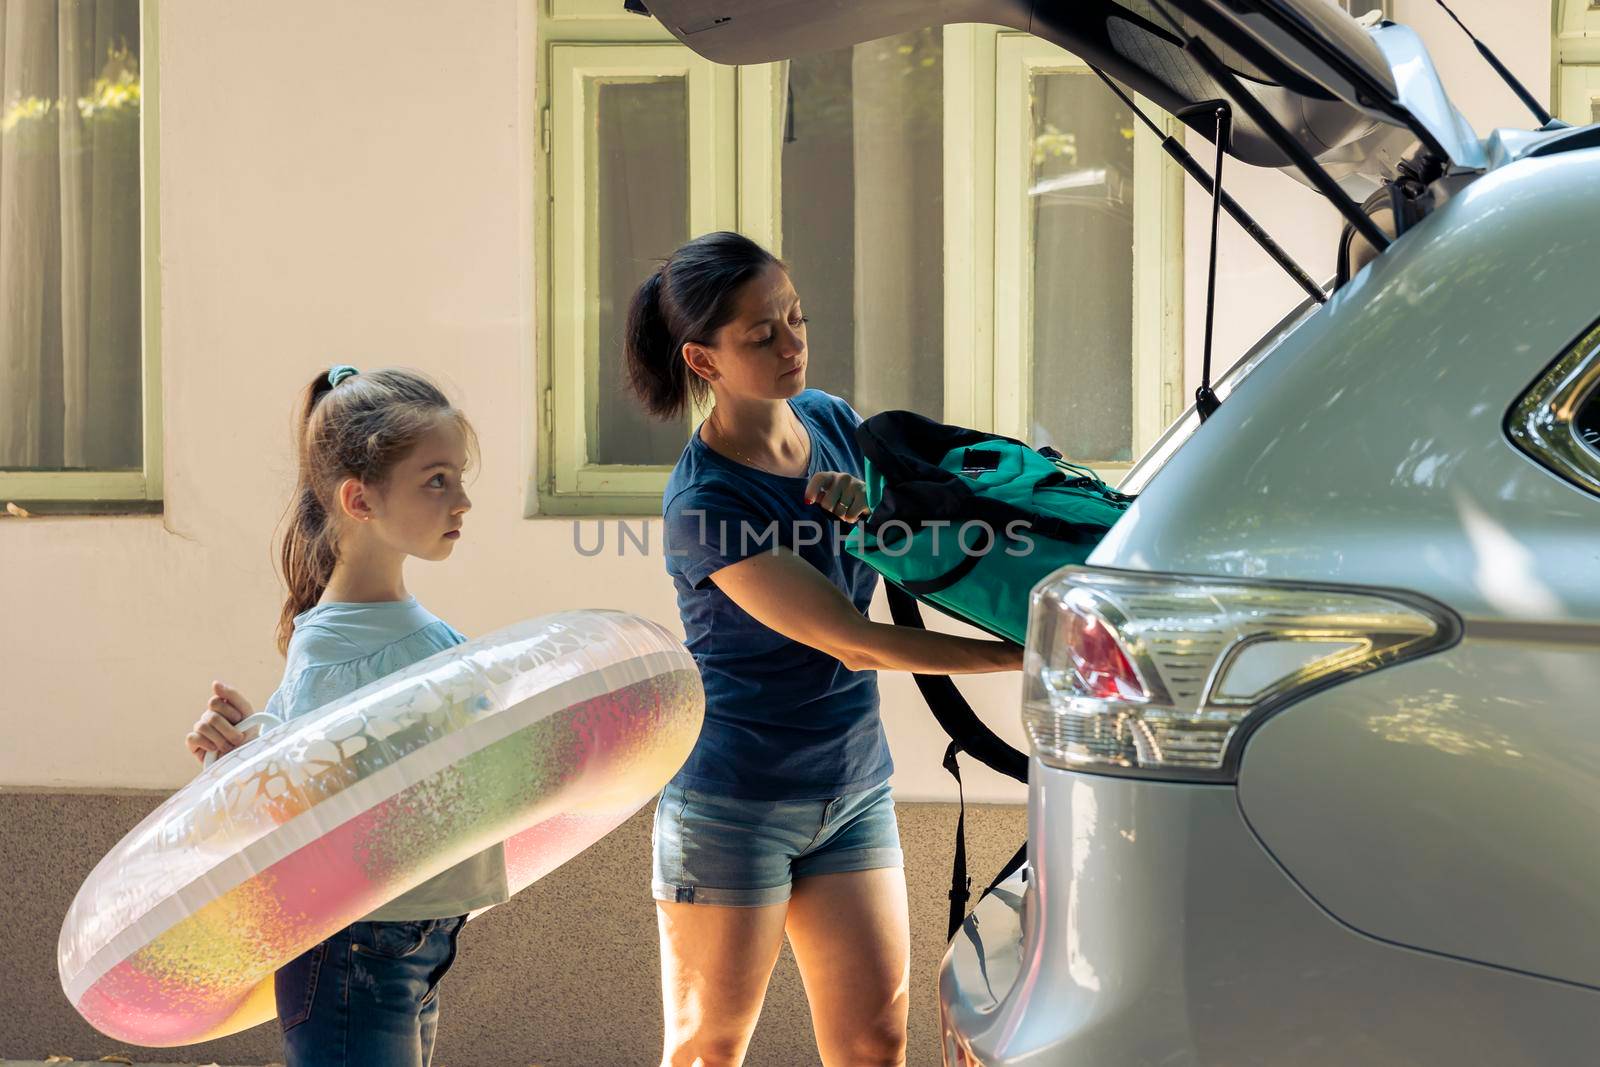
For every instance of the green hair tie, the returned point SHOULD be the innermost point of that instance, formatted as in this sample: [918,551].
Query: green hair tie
[340,373]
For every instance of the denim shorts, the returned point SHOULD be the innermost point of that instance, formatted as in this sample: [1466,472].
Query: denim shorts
[712,849]
[368,996]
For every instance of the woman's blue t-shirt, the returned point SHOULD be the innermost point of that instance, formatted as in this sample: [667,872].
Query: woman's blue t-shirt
[784,721]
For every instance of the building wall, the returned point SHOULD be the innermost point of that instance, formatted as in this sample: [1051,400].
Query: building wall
[352,183]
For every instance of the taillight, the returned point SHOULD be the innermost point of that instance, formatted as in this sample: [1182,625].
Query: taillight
[1557,421]
[1156,674]
[1099,667]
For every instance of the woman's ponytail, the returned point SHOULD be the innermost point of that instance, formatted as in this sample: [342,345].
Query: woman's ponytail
[656,372]
[688,298]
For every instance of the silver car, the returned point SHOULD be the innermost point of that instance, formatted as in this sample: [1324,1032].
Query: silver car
[1316,732]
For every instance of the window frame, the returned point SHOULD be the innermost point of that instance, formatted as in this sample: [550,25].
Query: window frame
[135,491]
[573,299]
[591,11]
[1575,66]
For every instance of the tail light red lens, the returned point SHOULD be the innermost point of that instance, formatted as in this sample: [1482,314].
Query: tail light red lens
[1101,667]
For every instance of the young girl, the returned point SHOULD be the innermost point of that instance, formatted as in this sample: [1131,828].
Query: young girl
[781,820]
[381,462]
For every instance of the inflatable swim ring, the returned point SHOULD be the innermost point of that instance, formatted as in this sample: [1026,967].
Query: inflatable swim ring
[545,736]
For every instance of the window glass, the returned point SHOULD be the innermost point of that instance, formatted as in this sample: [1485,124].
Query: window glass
[1081,206]
[863,219]
[70,317]
[640,176]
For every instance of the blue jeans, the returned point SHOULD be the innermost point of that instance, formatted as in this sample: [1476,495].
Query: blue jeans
[712,849]
[368,996]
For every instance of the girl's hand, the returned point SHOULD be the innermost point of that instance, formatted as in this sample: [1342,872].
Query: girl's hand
[214,730]
[839,494]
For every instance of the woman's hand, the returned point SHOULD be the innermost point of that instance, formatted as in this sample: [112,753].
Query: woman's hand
[214,730]
[839,494]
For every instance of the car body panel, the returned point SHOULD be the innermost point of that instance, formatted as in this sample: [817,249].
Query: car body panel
[763,31]
[1425,352]
[987,952]
[1175,939]
[1449,804]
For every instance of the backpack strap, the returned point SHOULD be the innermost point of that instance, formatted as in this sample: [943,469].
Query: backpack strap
[945,580]
[960,880]
[950,708]
[968,732]
[1017,859]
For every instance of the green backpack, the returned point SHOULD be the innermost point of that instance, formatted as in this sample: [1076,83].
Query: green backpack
[970,521]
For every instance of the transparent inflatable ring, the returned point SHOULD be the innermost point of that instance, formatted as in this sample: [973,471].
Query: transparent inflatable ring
[544,736]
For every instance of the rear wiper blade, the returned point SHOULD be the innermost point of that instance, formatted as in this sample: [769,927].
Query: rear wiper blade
[1175,149]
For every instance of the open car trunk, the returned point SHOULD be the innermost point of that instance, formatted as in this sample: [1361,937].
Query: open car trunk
[1354,98]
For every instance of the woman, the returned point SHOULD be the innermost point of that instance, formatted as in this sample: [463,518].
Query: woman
[781,820]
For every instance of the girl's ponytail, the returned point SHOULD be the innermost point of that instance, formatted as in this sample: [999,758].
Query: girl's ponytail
[689,298]
[307,558]
[348,425]
[309,548]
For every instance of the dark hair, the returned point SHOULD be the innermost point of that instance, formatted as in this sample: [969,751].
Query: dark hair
[359,428]
[689,298]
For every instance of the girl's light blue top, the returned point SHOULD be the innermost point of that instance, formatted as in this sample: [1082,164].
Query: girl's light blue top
[337,648]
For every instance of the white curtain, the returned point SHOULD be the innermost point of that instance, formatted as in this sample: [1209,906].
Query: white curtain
[70,371]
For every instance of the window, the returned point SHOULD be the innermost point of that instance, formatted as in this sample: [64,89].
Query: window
[978,230]
[79,386]
[1083,360]
[1577,61]
[642,161]
[863,233]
